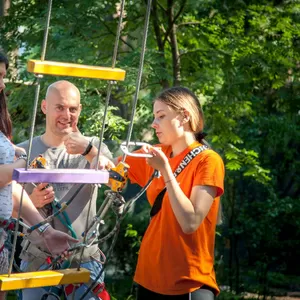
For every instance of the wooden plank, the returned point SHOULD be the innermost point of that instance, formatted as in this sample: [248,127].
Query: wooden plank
[74,70]
[61,176]
[43,278]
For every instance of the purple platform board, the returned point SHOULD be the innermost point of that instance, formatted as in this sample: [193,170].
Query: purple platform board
[60,176]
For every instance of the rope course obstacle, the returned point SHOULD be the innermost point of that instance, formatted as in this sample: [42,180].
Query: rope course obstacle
[116,177]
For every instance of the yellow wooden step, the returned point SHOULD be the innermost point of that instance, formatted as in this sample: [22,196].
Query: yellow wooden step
[74,70]
[43,278]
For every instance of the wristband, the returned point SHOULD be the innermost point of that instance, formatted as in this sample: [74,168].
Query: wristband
[22,156]
[88,149]
[43,228]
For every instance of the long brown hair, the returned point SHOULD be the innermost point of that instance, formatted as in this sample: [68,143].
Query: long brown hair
[5,120]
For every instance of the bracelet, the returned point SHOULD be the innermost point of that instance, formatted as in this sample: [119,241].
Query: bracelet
[88,149]
[169,180]
[22,156]
[43,228]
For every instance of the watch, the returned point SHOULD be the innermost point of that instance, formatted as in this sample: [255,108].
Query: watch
[88,149]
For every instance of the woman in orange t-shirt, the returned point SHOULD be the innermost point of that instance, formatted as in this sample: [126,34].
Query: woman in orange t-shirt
[176,257]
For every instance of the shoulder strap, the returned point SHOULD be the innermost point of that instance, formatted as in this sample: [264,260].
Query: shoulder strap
[186,160]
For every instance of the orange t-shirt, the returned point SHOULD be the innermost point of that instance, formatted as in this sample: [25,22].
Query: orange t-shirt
[171,262]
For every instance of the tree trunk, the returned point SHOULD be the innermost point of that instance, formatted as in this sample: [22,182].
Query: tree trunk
[160,44]
[4,6]
[174,44]
[231,220]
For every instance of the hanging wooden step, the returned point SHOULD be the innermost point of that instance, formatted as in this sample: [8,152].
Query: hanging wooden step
[37,279]
[61,176]
[74,70]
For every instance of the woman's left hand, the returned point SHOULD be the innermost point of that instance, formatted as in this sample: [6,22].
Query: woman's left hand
[57,241]
[159,161]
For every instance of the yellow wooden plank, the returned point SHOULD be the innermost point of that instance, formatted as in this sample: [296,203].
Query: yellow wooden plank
[74,70]
[43,278]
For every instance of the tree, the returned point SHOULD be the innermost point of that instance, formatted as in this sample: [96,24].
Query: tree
[4,6]
[242,60]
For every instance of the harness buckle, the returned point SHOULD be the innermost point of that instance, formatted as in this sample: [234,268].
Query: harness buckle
[101,292]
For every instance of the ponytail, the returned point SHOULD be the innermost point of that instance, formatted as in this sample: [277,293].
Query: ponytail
[200,138]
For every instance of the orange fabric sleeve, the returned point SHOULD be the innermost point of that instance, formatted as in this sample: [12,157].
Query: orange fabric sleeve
[212,172]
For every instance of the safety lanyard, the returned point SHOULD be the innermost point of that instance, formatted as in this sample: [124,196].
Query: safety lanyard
[186,160]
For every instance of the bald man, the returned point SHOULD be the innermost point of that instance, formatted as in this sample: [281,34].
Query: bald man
[63,146]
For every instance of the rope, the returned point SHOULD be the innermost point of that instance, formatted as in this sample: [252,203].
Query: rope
[128,204]
[115,231]
[46,33]
[101,212]
[11,262]
[139,77]
[109,86]
[38,86]
[66,221]
[63,207]
[35,105]
[86,226]
[138,83]
[108,95]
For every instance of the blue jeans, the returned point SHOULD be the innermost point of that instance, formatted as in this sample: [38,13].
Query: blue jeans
[35,294]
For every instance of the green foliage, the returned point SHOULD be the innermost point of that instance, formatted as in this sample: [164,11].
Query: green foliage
[228,296]
[236,158]
[133,234]
[241,58]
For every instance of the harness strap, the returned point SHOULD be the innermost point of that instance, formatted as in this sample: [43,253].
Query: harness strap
[186,160]
[32,251]
[7,224]
[99,290]
[56,206]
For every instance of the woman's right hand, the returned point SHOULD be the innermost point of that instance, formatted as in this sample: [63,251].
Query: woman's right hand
[158,161]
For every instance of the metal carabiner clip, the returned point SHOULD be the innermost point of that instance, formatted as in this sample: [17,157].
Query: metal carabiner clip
[124,148]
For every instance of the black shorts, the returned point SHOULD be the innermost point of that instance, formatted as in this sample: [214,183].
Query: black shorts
[204,293]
